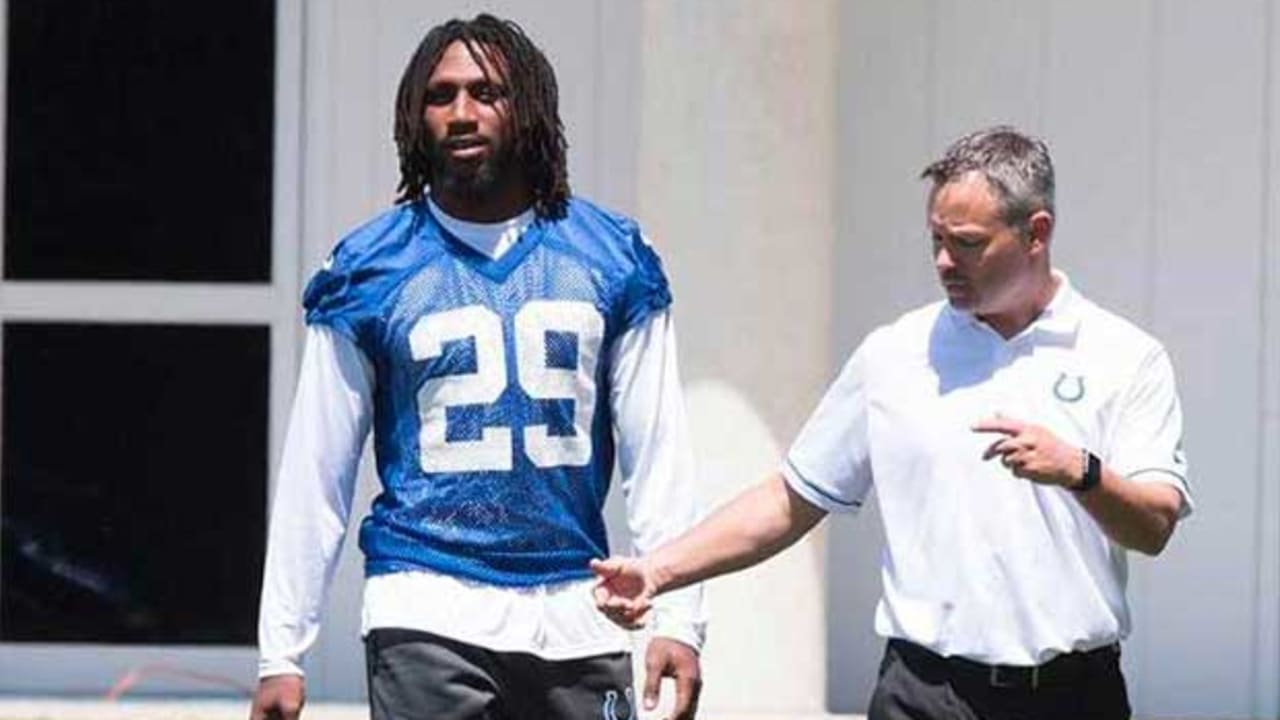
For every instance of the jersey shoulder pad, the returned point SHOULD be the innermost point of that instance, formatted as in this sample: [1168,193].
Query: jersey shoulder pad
[615,243]
[356,277]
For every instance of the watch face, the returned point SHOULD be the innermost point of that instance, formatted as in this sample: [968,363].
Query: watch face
[1092,473]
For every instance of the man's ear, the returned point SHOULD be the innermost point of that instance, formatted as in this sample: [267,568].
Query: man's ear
[1040,228]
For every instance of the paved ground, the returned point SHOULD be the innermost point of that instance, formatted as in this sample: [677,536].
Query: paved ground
[43,709]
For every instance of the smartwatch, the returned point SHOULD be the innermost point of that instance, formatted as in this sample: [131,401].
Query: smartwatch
[1092,472]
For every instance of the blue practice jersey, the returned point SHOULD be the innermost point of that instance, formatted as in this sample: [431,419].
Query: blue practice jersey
[492,423]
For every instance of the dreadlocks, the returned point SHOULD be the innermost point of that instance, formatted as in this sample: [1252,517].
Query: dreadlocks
[539,144]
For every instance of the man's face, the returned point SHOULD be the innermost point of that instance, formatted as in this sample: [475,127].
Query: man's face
[466,114]
[985,266]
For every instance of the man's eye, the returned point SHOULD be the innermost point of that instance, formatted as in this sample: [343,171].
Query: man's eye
[487,93]
[969,243]
[441,95]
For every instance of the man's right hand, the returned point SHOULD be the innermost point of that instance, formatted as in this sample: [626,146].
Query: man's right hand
[279,697]
[624,590]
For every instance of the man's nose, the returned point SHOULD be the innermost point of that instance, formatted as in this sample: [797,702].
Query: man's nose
[462,109]
[942,258]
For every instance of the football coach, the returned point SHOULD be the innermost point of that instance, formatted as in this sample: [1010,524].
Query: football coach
[1021,440]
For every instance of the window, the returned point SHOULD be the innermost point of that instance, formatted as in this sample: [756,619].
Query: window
[148,329]
[132,485]
[139,140]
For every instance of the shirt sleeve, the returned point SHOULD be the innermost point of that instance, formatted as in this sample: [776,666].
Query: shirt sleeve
[655,461]
[313,496]
[1146,445]
[830,462]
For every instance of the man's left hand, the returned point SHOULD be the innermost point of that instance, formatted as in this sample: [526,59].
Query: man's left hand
[1032,452]
[672,658]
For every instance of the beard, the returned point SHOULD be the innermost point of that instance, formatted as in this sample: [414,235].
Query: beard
[471,180]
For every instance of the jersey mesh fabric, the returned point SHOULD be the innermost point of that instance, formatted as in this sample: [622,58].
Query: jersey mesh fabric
[534,521]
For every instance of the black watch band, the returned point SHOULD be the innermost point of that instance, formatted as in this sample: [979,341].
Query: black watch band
[1092,473]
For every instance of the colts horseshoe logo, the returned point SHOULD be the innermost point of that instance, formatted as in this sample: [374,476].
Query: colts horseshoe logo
[1069,388]
[617,707]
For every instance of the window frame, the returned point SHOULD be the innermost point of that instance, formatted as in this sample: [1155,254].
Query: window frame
[90,668]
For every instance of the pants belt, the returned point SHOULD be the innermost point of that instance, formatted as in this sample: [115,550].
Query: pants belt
[1063,669]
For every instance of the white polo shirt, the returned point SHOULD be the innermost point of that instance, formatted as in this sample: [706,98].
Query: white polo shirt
[979,563]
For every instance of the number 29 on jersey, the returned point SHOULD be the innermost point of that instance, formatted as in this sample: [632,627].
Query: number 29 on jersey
[495,450]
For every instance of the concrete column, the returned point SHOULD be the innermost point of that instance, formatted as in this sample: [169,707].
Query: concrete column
[736,177]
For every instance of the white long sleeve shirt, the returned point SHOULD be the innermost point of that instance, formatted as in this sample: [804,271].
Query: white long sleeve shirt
[327,429]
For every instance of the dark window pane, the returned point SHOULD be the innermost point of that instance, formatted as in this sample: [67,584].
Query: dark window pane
[138,140]
[132,483]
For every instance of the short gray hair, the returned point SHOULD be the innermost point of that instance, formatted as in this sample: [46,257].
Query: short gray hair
[1015,164]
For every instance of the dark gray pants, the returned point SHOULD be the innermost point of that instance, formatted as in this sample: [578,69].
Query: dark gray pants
[916,684]
[415,675]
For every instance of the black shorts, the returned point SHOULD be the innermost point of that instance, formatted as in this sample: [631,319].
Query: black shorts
[415,675]
[916,684]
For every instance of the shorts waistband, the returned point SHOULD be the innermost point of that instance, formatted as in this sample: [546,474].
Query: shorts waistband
[1063,669]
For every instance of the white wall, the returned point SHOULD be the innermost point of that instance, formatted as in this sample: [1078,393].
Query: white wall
[735,167]
[1162,120]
